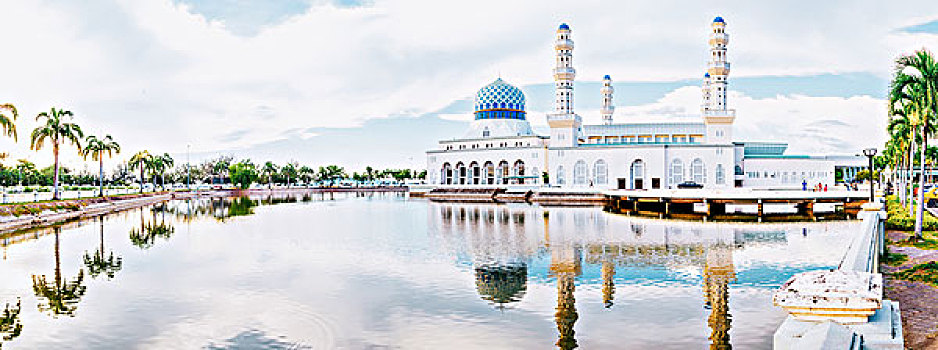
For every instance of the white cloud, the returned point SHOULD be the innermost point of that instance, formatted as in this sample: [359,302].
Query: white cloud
[810,125]
[158,76]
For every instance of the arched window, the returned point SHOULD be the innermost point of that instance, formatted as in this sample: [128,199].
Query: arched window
[580,173]
[501,175]
[560,175]
[474,173]
[485,132]
[446,177]
[638,174]
[677,171]
[720,177]
[537,173]
[518,172]
[489,173]
[461,172]
[698,171]
[600,174]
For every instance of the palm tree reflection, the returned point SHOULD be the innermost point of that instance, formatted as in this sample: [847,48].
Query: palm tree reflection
[10,325]
[99,264]
[145,236]
[62,297]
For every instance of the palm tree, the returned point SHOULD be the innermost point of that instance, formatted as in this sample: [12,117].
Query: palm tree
[332,173]
[98,263]
[221,167]
[139,161]
[6,123]
[166,162]
[289,172]
[154,164]
[902,131]
[62,296]
[269,169]
[307,174]
[97,148]
[57,130]
[915,87]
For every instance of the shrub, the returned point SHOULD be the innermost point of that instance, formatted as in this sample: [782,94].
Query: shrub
[899,218]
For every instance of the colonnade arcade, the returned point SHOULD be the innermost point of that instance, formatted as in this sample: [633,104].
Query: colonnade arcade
[487,173]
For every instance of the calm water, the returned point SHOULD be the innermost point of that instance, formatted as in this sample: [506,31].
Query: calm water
[383,271]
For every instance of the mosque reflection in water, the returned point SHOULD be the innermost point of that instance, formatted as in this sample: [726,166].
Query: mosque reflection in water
[502,240]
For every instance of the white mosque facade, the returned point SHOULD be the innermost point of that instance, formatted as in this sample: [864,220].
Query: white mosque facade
[500,148]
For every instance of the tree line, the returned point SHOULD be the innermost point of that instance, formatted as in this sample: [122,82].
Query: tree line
[913,117]
[59,133]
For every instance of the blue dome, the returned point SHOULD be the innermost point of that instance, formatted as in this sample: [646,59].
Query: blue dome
[607,77]
[564,26]
[718,20]
[707,75]
[499,100]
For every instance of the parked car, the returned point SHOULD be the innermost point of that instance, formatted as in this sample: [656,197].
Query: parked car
[931,197]
[689,184]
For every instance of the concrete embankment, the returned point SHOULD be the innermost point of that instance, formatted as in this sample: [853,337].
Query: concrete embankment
[48,213]
[843,308]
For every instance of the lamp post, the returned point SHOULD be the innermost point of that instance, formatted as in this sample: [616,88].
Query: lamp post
[188,170]
[869,153]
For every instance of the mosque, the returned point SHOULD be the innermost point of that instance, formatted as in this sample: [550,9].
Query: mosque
[500,147]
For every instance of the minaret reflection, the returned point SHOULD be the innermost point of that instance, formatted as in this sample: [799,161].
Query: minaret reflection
[609,286]
[718,272]
[566,265]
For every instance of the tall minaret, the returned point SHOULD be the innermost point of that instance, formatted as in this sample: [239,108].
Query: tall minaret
[718,68]
[564,123]
[608,107]
[564,72]
[717,117]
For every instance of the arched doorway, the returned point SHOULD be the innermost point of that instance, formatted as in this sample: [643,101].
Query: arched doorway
[637,172]
[489,173]
[461,171]
[518,172]
[698,171]
[446,177]
[600,172]
[559,176]
[677,172]
[580,173]
[501,174]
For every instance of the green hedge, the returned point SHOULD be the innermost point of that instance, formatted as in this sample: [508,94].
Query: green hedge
[899,218]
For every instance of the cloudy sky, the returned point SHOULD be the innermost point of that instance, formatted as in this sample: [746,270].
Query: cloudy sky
[361,82]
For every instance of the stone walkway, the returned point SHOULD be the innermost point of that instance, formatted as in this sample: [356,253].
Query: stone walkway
[918,301]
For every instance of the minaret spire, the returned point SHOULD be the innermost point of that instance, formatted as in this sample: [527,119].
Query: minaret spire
[608,107]
[564,123]
[564,72]
[717,117]
[718,68]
